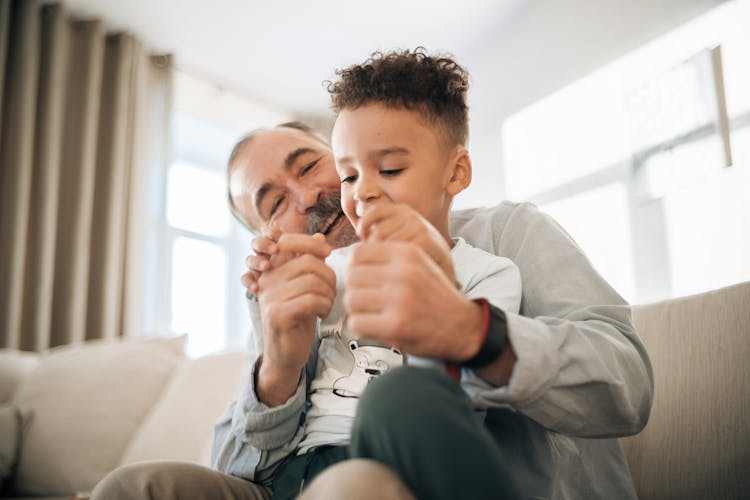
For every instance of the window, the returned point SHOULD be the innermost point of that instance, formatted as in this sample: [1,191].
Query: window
[598,220]
[645,162]
[203,249]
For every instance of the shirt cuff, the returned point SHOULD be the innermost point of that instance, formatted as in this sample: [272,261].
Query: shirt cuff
[537,363]
[266,427]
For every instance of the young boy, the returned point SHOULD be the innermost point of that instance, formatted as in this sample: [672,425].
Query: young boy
[399,145]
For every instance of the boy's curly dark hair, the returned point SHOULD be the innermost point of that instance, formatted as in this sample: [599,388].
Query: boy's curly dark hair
[435,86]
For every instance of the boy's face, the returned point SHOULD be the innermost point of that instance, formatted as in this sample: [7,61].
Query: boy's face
[391,154]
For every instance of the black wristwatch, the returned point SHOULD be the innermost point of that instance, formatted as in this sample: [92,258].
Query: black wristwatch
[495,336]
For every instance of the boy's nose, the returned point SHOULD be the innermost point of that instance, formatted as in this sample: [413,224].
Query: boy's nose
[363,206]
[366,192]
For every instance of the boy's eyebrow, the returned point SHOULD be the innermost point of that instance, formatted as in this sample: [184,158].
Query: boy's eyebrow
[378,153]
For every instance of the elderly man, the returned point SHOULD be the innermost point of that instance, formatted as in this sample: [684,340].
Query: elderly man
[571,374]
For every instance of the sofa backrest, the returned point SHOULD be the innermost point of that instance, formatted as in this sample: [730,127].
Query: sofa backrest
[697,441]
[180,425]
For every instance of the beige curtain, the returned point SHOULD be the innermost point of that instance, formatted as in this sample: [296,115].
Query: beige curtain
[83,119]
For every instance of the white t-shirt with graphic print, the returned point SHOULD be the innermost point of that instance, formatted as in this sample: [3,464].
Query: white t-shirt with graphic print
[347,363]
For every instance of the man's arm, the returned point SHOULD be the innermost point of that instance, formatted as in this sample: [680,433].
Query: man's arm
[581,368]
[297,290]
[494,285]
[263,425]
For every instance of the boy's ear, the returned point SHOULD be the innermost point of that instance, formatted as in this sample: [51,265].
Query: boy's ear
[461,172]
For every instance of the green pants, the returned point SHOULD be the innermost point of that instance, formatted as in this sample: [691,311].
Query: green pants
[419,422]
[291,477]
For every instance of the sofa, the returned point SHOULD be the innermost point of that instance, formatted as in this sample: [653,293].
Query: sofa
[70,415]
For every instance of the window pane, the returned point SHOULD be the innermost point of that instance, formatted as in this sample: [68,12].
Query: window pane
[572,133]
[734,43]
[672,169]
[196,199]
[708,231]
[598,220]
[198,294]
[673,103]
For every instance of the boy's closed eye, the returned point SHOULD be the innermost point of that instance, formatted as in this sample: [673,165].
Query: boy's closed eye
[391,172]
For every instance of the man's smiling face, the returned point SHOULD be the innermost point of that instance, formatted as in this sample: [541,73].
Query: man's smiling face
[286,177]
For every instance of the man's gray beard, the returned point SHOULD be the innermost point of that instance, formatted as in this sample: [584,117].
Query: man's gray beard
[328,206]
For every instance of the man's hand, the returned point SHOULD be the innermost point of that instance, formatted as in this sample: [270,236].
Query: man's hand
[264,246]
[398,222]
[397,294]
[295,288]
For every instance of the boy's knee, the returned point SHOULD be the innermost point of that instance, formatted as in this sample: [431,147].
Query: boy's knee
[405,398]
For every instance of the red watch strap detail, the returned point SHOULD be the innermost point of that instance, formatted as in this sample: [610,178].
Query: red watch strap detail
[453,370]
[485,317]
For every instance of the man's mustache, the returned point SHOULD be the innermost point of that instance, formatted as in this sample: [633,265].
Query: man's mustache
[319,215]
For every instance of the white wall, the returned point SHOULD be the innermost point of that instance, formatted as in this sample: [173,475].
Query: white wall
[549,44]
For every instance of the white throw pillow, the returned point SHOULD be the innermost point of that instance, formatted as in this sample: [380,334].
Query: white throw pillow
[85,402]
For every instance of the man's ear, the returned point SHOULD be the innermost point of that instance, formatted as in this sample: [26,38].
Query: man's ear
[460,172]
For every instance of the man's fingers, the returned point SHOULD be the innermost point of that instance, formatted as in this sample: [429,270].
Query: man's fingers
[310,303]
[363,300]
[375,215]
[272,232]
[307,293]
[304,243]
[291,246]
[264,245]
[382,252]
[365,276]
[404,231]
[257,263]
[250,283]
[303,266]
[371,325]
[392,229]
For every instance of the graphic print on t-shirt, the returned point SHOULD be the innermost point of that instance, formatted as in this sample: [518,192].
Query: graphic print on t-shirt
[369,362]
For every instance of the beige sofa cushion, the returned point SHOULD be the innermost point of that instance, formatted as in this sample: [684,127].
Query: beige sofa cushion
[181,424]
[70,443]
[697,441]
